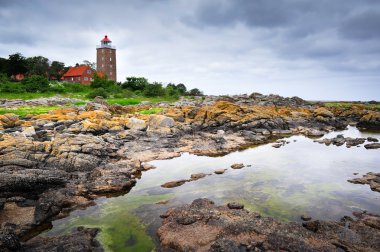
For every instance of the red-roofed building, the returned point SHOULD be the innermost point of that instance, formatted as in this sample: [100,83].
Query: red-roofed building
[79,74]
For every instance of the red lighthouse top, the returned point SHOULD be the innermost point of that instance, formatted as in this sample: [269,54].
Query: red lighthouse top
[106,39]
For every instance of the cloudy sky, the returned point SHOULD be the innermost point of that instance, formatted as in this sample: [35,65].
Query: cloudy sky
[325,49]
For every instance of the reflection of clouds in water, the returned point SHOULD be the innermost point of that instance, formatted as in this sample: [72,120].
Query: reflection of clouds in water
[300,177]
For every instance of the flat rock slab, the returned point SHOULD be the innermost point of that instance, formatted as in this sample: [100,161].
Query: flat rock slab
[203,226]
[372,179]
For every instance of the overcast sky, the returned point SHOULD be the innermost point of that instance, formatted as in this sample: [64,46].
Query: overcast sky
[325,49]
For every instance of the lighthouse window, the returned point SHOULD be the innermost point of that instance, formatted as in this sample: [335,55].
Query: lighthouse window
[110,59]
[102,58]
[110,73]
[86,78]
[110,66]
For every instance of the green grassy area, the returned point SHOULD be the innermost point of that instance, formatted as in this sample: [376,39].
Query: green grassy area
[139,99]
[350,104]
[150,111]
[24,111]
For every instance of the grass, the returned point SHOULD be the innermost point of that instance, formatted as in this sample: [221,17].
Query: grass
[24,111]
[150,111]
[139,99]
[350,104]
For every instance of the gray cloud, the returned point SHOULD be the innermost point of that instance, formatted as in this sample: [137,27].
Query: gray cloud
[291,47]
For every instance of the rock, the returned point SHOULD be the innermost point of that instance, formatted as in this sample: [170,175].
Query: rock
[237,166]
[80,239]
[176,183]
[8,239]
[157,121]
[136,124]
[323,112]
[28,131]
[2,202]
[235,205]
[277,145]
[202,226]
[197,176]
[372,139]
[220,171]
[371,120]
[305,217]
[9,120]
[372,146]
[371,178]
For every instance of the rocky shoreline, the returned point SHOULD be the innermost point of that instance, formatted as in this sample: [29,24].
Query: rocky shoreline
[53,163]
[203,226]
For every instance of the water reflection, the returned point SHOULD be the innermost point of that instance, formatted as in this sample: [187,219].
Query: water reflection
[302,177]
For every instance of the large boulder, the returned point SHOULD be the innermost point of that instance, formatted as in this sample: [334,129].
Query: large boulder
[136,124]
[159,121]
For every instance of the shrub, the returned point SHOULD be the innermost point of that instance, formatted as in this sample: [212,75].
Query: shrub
[75,87]
[57,87]
[11,87]
[153,90]
[35,84]
[195,92]
[135,83]
[97,92]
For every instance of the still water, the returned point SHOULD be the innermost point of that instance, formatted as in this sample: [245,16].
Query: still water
[301,177]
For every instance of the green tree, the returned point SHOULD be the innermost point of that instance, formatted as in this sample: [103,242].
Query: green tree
[154,89]
[35,84]
[181,88]
[171,90]
[57,70]
[3,65]
[16,64]
[195,92]
[135,83]
[37,65]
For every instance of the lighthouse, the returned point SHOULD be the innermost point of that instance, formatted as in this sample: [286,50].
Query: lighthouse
[106,58]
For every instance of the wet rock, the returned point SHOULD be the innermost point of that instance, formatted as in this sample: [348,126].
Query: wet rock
[220,171]
[176,183]
[305,217]
[371,178]
[277,145]
[80,239]
[202,226]
[372,139]
[8,239]
[197,176]
[370,121]
[372,146]
[234,205]
[237,166]
[2,202]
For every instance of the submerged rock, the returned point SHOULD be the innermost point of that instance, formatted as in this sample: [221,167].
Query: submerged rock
[203,226]
[176,183]
[80,239]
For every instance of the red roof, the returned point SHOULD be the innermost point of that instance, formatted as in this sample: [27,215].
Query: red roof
[76,71]
[106,39]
